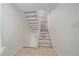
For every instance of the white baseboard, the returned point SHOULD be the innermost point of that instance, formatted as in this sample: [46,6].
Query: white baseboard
[1,49]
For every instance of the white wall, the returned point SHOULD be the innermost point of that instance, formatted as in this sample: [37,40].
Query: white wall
[16,32]
[0,25]
[14,29]
[64,25]
[31,36]
[32,39]
[36,6]
[1,47]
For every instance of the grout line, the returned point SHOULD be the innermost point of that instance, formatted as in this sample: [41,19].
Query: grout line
[18,51]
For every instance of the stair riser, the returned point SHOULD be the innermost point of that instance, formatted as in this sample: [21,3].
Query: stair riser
[32,18]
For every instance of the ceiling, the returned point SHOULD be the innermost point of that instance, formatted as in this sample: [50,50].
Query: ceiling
[36,6]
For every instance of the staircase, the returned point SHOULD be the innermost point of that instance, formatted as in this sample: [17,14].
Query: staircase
[44,39]
[32,18]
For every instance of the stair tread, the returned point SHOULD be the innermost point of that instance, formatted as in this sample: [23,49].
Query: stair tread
[45,37]
[30,12]
[33,22]
[44,40]
[45,45]
[32,18]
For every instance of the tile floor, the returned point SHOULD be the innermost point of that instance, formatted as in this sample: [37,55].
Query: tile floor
[38,51]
